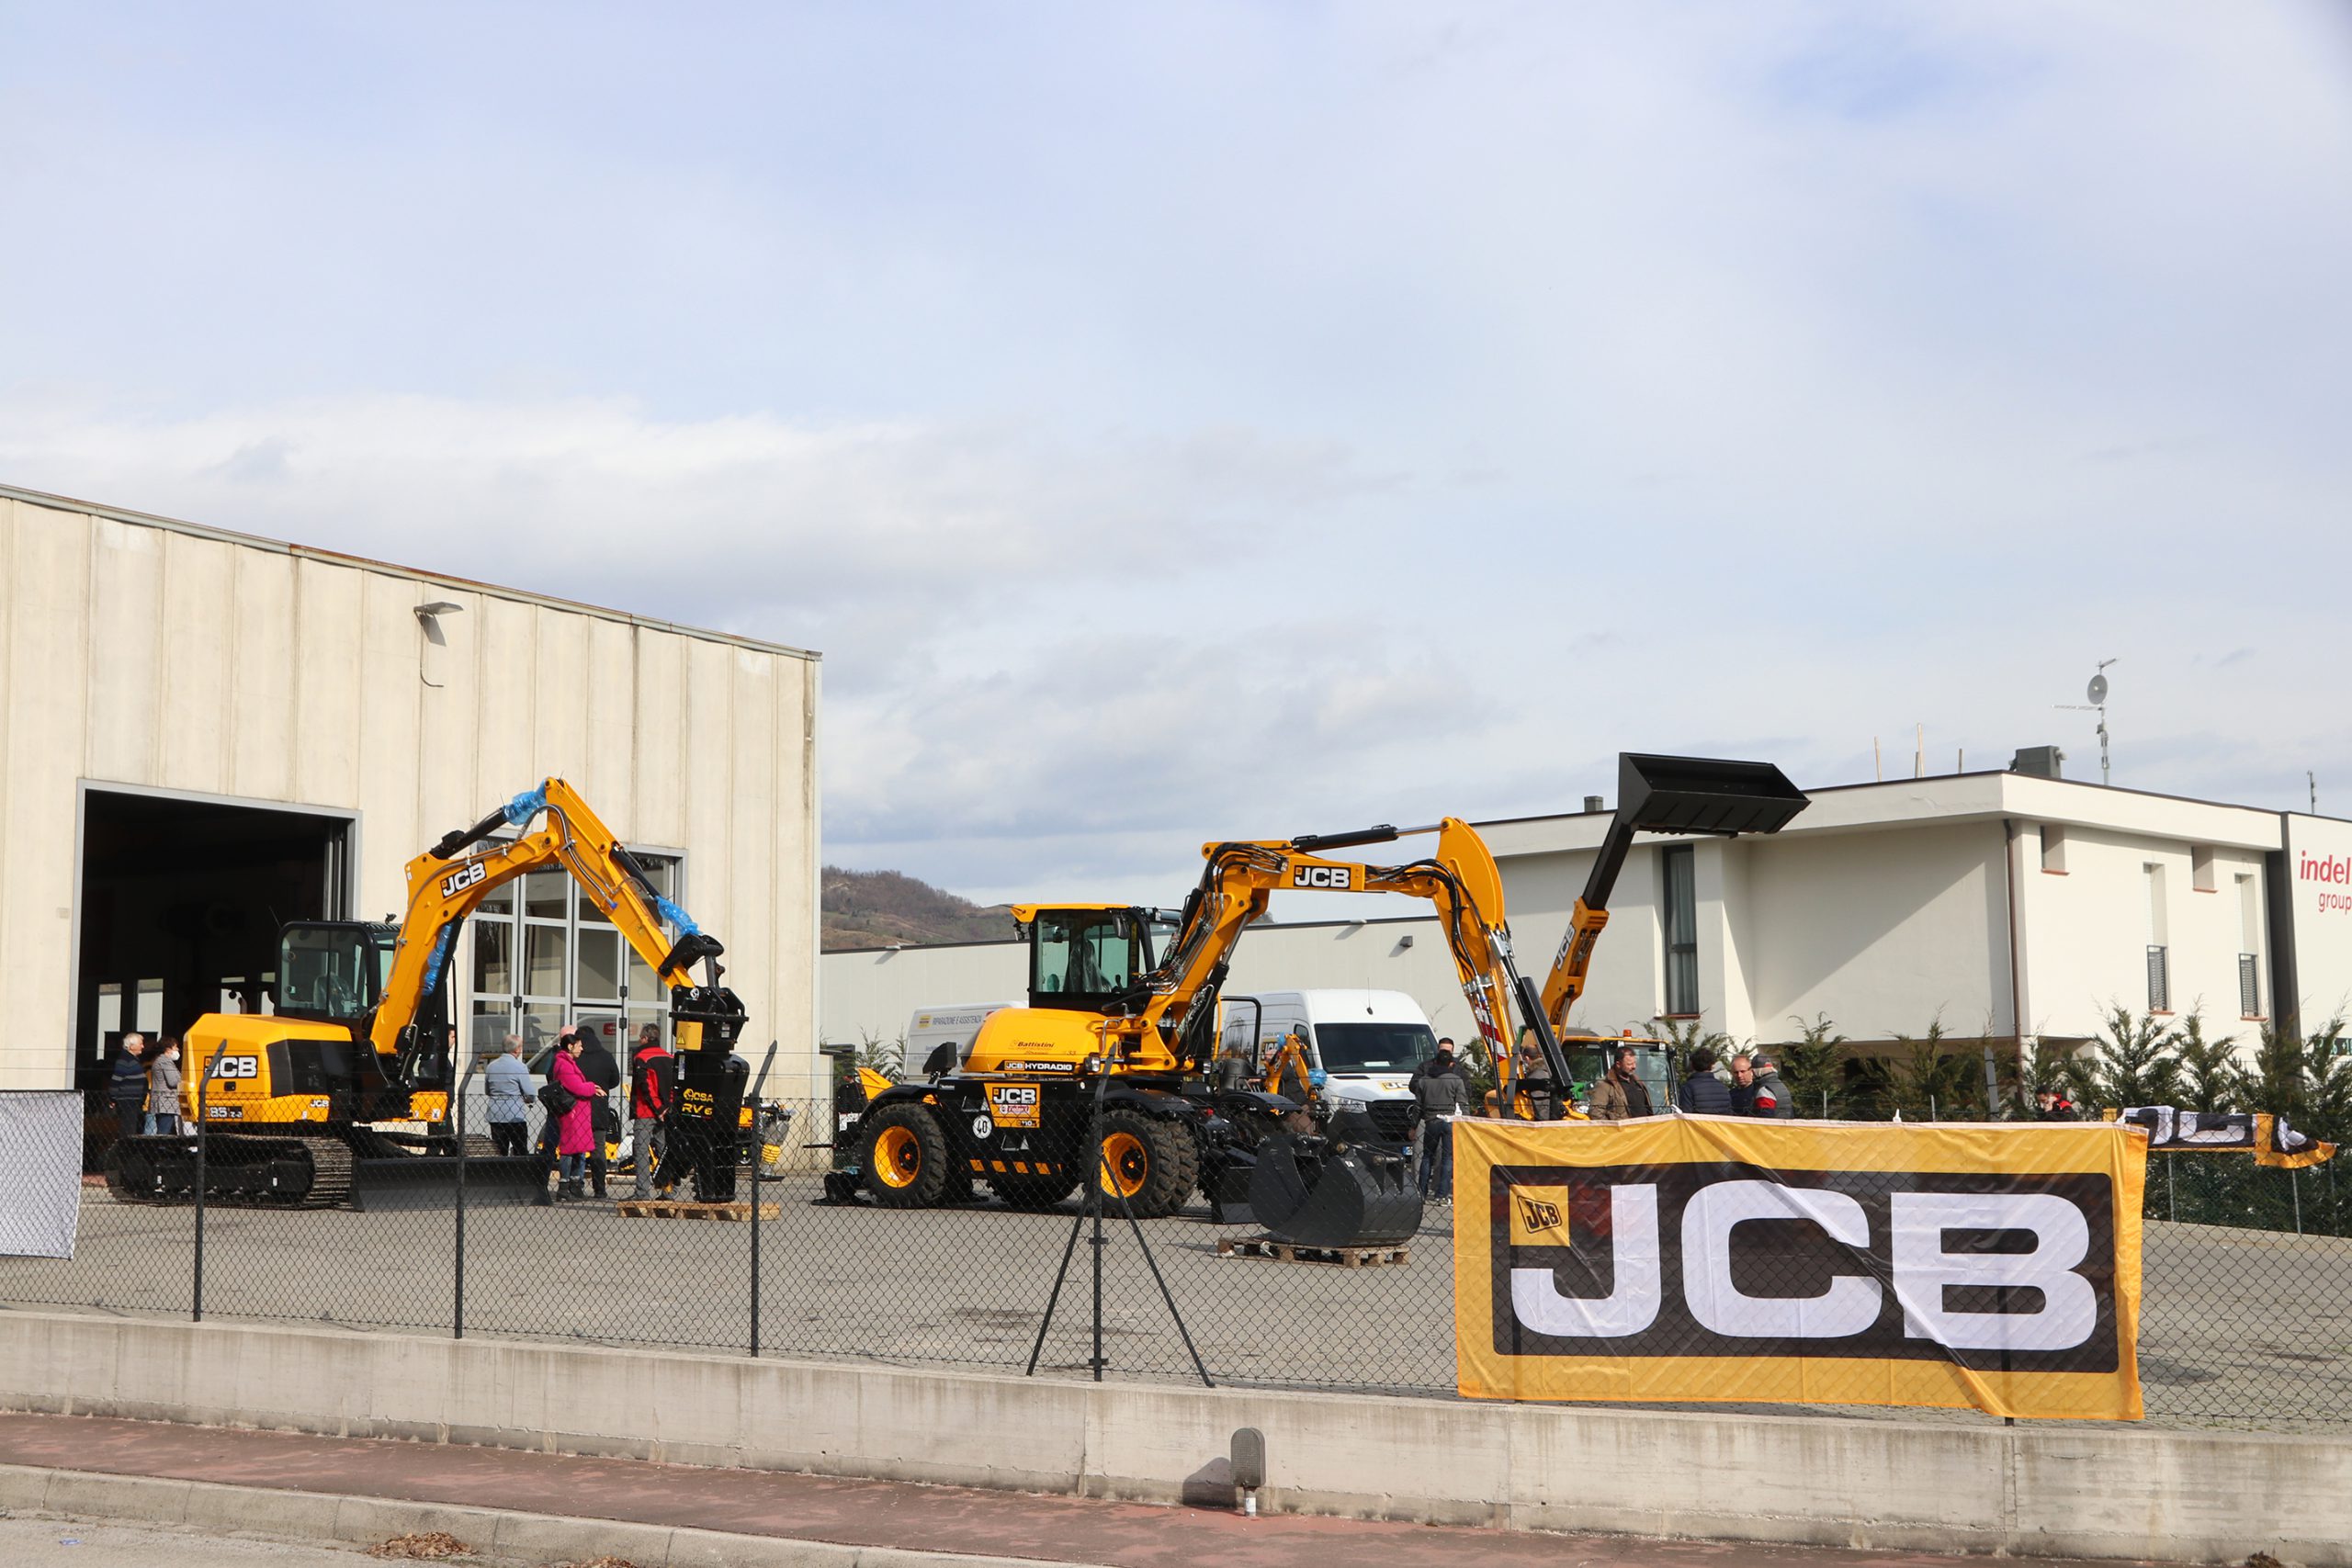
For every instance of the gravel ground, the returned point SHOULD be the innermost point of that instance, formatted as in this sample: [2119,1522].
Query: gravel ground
[2239,1328]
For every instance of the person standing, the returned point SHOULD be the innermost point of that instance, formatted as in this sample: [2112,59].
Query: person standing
[653,1090]
[1533,1080]
[1620,1095]
[598,1064]
[508,1084]
[575,1129]
[1703,1094]
[1442,1093]
[163,1088]
[129,1089]
[1768,1096]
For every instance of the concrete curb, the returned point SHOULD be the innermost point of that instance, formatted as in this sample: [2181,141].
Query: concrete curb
[498,1534]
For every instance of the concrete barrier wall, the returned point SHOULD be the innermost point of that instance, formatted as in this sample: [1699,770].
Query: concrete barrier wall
[2203,1497]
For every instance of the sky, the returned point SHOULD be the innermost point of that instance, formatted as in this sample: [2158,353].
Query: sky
[1228,420]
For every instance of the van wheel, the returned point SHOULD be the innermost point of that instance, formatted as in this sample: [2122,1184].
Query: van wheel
[1151,1161]
[905,1158]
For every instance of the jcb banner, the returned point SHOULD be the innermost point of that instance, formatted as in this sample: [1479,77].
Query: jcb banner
[2266,1137]
[1792,1262]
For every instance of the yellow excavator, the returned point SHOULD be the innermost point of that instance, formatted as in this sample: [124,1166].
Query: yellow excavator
[318,1103]
[1123,1012]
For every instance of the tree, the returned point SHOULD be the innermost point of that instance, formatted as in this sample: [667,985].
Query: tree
[2131,1064]
[1926,1078]
[2207,1073]
[1813,1065]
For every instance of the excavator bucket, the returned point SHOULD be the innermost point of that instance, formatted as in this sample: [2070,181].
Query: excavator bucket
[1702,794]
[388,1178]
[1333,1192]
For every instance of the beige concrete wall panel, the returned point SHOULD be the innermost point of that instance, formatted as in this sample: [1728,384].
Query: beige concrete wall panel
[200,623]
[450,713]
[559,699]
[607,773]
[331,688]
[659,785]
[263,727]
[127,637]
[798,922]
[751,841]
[9,507]
[505,727]
[47,570]
[708,767]
[395,761]
[1626,985]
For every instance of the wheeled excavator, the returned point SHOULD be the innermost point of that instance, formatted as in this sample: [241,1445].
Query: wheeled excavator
[1124,1000]
[303,1107]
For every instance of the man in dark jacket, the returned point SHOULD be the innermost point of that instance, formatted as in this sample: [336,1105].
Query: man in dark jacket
[129,1089]
[1757,1089]
[654,1086]
[596,1063]
[1620,1095]
[1441,1090]
[1703,1094]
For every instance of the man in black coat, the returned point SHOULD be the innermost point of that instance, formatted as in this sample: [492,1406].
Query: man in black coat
[1703,1094]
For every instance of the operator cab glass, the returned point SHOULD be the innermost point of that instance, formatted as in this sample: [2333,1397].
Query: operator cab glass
[1373,1047]
[332,972]
[1083,958]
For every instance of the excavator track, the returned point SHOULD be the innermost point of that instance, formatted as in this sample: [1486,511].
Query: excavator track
[239,1169]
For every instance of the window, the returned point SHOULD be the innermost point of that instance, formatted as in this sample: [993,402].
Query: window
[2053,849]
[2159,957]
[1084,954]
[1677,868]
[544,955]
[2249,947]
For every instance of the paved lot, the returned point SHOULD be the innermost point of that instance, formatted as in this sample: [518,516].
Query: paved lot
[2241,1327]
[86,1543]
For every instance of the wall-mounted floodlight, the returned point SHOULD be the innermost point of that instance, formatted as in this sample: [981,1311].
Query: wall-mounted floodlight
[429,621]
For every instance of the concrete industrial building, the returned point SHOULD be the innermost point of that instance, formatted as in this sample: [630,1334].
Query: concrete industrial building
[204,734]
[2006,905]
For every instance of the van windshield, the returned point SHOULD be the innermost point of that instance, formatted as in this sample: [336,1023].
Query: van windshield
[1373,1047]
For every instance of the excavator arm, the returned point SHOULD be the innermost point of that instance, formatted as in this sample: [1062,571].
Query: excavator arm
[449,881]
[1660,794]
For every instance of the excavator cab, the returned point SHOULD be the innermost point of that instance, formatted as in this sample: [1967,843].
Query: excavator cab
[334,971]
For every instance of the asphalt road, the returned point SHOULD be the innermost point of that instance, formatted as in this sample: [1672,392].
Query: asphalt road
[2239,1328]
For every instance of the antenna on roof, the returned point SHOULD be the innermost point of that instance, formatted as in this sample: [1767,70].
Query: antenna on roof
[2097,692]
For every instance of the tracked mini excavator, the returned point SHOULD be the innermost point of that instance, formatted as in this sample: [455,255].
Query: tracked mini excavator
[304,1107]
[1124,1000]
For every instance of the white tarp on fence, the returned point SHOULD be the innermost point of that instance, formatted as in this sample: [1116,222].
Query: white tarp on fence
[41,1173]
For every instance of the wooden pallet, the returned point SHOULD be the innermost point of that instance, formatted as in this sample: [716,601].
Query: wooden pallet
[1289,1252]
[670,1209]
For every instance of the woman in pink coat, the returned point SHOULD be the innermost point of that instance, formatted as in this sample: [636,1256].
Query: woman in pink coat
[575,1130]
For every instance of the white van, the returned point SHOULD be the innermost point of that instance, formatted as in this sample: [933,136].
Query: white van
[932,1028]
[1367,1043]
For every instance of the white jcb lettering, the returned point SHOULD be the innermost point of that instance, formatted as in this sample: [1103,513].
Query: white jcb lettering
[1849,1306]
[1631,1305]
[1319,876]
[1922,1269]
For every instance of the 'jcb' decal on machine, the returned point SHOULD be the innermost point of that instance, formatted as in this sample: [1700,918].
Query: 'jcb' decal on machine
[1708,1260]
[1013,1104]
[465,876]
[1338,878]
[238,1067]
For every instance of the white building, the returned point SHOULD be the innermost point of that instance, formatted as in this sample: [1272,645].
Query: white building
[203,735]
[2006,905]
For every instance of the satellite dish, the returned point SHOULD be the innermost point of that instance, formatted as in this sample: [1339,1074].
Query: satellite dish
[2098,689]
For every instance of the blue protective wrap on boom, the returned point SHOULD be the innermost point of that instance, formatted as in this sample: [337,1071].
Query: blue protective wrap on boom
[440,957]
[525,805]
[676,917]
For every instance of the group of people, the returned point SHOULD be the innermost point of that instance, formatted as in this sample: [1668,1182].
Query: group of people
[145,1089]
[582,1118]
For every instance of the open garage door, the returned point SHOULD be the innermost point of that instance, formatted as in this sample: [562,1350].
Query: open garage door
[180,902]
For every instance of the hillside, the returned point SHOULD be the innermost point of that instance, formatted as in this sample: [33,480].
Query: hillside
[876,909]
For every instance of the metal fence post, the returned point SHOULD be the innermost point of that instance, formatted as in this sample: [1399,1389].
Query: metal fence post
[757,1163]
[458,1284]
[2295,1192]
[203,1097]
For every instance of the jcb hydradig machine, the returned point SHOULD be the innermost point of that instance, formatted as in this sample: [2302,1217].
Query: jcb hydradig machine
[298,1101]
[1123,1001]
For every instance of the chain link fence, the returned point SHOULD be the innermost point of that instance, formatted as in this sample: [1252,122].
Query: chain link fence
[2246,1304]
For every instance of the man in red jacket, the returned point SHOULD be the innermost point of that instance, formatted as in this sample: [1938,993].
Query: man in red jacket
[652,1088]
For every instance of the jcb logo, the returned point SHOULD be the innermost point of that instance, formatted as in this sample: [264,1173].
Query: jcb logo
[465,876]
[238,1067]
[1889,1264]
[1012,1094]
[1326,876]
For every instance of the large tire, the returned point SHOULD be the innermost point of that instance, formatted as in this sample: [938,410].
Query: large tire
[905,1156]
[1153,1161]
[1032,1191]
